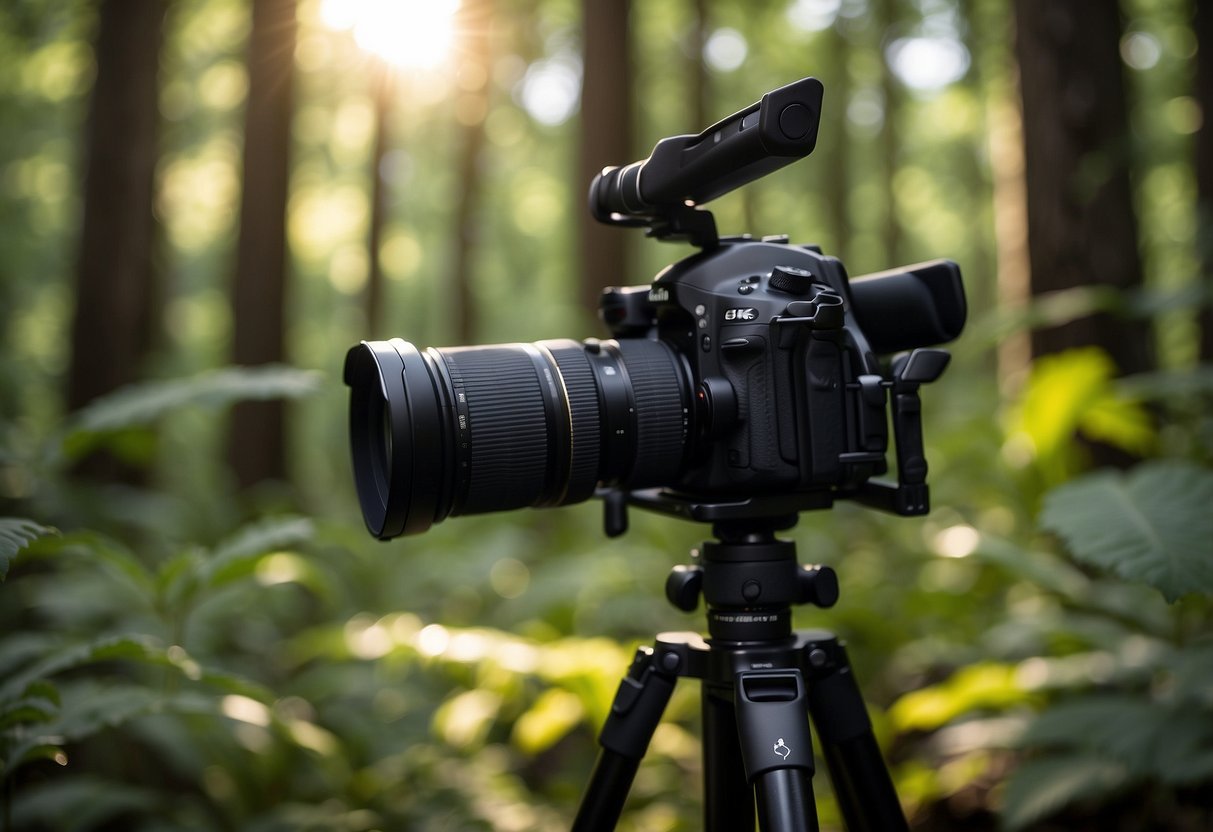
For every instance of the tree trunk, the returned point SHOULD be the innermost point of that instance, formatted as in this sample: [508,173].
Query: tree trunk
[837,173]
[701,82]
[1203,24]
[1082,229]
[887,15]
[606,133]
[257,442]
[116,297]
[471,109]
[383,91]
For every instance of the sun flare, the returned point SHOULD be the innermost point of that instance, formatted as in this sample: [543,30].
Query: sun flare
[410,34]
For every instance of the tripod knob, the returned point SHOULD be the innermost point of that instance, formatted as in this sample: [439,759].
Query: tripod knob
[818,586]
[683,586]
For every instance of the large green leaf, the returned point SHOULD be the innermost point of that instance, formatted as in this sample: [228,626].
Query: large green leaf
[15,534]
[84,802]
[1164,742]
[142,404]
[1071,392]
[235,557]
[1154,524]
[1043,787]
[138,649]
[97,548]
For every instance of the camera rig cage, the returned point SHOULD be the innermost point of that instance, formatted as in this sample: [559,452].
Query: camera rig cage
[664,194]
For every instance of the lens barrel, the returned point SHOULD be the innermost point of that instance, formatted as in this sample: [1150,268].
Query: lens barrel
[468,430]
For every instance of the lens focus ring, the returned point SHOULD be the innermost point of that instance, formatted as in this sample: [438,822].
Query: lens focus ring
[506,422]
[661,411]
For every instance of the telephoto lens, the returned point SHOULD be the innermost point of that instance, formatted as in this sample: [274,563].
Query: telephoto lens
[467,430]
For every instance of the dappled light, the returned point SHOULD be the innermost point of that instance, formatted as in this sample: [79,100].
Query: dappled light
[205,204]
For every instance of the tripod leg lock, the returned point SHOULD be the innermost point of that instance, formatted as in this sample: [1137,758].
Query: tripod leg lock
[639,702]
[773,721]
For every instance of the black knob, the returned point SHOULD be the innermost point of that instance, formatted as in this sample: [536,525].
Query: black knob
[818,586]
[682,587]
[792,280]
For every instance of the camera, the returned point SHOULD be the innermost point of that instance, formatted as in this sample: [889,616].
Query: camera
[751,378]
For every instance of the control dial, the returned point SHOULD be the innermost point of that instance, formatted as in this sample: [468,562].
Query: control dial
[793,280]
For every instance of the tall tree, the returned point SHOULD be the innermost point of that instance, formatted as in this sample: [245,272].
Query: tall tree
[887,14]
[383,92]
[113,323]
[605,139]
[257,442]
[471,108]
[837,78]
[1204,170]
[701,82]
[1082,229]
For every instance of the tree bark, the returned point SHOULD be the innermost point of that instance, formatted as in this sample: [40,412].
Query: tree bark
[116,298]
[471,109]
[383,90]
[1082,230]
[887,16]
[701,82]
[837,174]
[606,139]
[1203,24]
[257,441]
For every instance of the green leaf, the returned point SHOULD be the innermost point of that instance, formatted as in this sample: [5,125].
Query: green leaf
[1168,742]
[1073,392]
[40,747]
[97,547]
[142,404]
[27,712]
[986,686]
[15,534]
[237,556]
[1043,787]
[1168,384]
[554,714]
[136,648]
[1153,524]
[84,802]
[178,578]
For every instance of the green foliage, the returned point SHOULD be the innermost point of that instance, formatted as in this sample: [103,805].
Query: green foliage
[15,534]
[179,658]
[1072,393]
[140,405]
[1152,524]
[1105,688]
[1042,788]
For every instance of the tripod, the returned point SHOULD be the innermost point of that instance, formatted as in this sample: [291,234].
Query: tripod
[759,683]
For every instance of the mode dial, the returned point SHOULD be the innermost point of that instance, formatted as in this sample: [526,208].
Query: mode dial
[793,280]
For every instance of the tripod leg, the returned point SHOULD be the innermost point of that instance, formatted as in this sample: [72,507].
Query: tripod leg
[861,781]
[728,802]
[773,725]
[639,703]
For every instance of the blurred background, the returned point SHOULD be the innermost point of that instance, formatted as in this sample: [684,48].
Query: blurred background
[206,202]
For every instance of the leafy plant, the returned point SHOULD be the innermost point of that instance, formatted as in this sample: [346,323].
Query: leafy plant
[15,534]
[1152,524]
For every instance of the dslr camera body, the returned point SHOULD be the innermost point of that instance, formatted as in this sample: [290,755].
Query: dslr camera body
[747,381]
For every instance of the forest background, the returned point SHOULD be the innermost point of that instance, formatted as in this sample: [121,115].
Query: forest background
[206,202]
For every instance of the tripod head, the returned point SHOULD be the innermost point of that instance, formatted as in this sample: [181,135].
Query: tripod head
[748,578]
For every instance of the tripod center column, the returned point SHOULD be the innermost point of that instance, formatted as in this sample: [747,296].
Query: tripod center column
[750,586]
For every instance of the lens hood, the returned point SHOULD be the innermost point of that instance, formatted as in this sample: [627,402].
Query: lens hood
[394,420]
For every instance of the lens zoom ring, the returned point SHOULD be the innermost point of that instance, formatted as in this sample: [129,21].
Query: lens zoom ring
[583,408]
[509,432]
[660,411]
